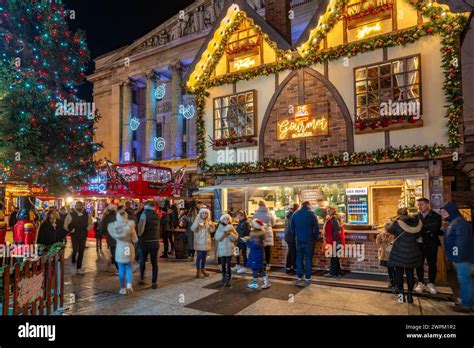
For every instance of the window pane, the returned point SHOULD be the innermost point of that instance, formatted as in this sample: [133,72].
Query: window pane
[413,91]
[397,80]
[373,84]
[361,100]
[412,63]
[385,95]
[235,117]
[412,78]
[385,69]
[361,87]
[374,99]
[362,113]
[360,74]
[372,71]
[386,82]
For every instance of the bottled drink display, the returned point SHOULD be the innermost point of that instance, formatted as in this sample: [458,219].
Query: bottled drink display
[357,206]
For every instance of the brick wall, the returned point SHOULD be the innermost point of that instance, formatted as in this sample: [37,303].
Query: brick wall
[277,15]
[296,92]
[370,264]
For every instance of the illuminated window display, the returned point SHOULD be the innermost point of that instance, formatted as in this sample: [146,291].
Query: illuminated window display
[235,115]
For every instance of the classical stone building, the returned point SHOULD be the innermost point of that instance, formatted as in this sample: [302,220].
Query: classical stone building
[146,117]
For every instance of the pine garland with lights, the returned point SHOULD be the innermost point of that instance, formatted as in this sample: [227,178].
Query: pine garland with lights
[392,154]
[448,27]
[37,146]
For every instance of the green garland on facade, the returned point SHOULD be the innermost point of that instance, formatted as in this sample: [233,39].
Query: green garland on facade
[405,153]
[448,27]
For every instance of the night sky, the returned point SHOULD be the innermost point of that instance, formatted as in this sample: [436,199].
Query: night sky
[112,24]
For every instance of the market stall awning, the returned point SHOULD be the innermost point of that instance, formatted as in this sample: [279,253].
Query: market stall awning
[399,171]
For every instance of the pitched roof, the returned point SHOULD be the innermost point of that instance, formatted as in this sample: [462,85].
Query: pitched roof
[251,13]
[459,6]
[456,6]
[313,23]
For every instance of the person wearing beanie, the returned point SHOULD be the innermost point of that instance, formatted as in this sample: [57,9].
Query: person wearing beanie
[202,228]
[255,244]
[459,248]
[268,219]
[123,231]
[226,236]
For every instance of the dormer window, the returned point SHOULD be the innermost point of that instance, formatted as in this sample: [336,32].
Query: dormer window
[366,18]
[244,49]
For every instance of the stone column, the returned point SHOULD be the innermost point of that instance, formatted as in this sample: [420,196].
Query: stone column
[175,125]
[150,125]
[127,134]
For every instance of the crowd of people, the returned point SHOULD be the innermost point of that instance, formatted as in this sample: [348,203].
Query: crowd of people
[410,240]
[133,236]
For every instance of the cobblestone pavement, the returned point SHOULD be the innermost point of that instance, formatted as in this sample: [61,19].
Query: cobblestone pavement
[179,293]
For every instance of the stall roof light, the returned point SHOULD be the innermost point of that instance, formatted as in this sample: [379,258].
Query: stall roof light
[313,182]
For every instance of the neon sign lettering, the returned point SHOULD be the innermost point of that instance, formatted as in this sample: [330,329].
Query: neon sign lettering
[244,63]
[304,123]
[367,30]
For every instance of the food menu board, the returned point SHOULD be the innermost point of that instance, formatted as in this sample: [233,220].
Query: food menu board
[311,195]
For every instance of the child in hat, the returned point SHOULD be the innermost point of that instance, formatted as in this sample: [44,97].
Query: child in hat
[255,243]
[226,235]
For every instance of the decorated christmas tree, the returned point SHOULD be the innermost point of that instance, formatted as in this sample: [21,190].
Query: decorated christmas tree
[46,132]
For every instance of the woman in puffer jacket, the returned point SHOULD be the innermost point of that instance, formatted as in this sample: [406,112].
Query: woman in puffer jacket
[123,231]
[226,236]
[268,219]
[202,228]
[405,255]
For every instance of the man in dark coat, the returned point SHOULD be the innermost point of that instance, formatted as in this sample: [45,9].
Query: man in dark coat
[405,255]
[149,229]
[459,248]
[167,225]
[428,244]
[290,241]
[305,231]
[109,216]
[78,223]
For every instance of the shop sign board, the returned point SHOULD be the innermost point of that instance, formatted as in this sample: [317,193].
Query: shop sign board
[30,289]
[357,236]
[311,195]
[303,121]
[356,191]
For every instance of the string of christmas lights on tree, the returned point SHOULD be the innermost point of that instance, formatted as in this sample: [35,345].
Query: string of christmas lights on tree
[48,62]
